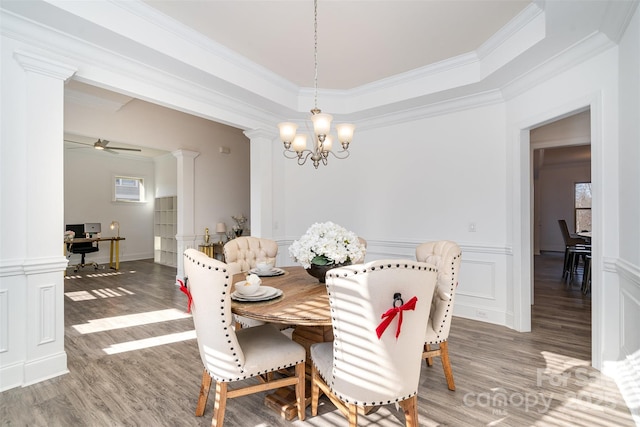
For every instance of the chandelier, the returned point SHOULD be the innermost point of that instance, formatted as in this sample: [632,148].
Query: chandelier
[295,144]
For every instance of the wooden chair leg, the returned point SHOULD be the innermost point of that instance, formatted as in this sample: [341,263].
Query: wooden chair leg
[220,404]
[446,365]
[204,393]
[353,415]
[315,391]
[429,360]
[410,408]
[300,386]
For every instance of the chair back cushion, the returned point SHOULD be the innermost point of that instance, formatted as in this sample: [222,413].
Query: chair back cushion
[209,282]
[367,369]
[244,252]
[363,242]
[446,255]
[569,240]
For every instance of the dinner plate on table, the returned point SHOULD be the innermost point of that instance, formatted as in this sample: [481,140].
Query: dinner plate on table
[264,294]
[273,272]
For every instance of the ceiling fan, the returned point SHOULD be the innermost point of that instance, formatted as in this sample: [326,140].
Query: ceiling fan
[102,144]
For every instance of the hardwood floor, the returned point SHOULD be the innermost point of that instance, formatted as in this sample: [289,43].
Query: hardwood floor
[134,361]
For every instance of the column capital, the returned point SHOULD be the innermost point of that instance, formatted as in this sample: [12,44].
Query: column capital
[44,66]
[185,154]
[257,134]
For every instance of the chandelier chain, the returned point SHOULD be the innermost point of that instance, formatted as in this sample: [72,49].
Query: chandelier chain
[315,54]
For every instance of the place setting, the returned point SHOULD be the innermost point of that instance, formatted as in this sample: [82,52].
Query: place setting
[251,290]
[265,269]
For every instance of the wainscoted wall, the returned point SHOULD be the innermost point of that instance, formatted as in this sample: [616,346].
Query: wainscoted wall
[482,291]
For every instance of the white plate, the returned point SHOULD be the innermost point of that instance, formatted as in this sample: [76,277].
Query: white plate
[262,291]
[273,272]
[266,294]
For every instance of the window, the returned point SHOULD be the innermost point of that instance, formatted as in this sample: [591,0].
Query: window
[583,206]
[128,189]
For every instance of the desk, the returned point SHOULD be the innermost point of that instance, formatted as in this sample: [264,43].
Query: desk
[115,244]
[212,249]
[305,305]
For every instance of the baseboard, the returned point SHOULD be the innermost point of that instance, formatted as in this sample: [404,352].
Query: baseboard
[45,368]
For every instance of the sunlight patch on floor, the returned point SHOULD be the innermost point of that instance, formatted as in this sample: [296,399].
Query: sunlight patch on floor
[150,342]
[107,274]
[556,363]
[129,320]
[102,293]
[575,393]
[79,296]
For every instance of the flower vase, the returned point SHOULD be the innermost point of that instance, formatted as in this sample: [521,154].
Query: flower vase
[320,271]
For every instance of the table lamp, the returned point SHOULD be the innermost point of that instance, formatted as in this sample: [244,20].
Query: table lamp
[221,229]
[115,225]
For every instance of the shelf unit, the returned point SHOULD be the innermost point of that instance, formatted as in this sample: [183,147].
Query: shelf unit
[164,231]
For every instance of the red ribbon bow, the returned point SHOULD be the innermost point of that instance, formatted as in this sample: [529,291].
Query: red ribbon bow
[185,290]
[391,314]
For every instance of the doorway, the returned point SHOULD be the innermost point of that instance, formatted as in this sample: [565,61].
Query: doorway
[561,158]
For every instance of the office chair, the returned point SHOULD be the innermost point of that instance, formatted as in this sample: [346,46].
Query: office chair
[81,248]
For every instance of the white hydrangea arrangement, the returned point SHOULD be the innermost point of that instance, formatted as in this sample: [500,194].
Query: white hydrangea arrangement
[326,243]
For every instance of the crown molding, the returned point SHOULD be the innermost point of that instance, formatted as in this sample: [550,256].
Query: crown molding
[192,81]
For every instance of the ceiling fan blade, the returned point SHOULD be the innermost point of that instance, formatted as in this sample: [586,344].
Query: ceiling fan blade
[102,144]
[122,148]
[80,143]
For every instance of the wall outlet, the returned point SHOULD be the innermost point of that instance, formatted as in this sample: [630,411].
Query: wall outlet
[472,227]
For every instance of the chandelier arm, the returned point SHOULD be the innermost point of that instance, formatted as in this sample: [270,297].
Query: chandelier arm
[302,158]
[341,157]
[290,154]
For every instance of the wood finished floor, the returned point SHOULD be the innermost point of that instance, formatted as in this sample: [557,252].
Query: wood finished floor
[133,361]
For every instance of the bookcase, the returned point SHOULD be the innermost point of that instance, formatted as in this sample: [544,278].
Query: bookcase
[165,246]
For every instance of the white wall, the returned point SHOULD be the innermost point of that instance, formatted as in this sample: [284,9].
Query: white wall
[221,180]
[422,180]
[88,191]
[628,264]
[556,186]
[592,83]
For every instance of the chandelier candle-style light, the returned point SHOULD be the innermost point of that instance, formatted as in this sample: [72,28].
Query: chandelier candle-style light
[295,144]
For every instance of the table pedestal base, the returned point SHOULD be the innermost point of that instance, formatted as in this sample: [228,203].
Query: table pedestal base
[283,400]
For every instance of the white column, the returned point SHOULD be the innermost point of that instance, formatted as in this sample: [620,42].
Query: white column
[186,237]
[261,182]
[32,278]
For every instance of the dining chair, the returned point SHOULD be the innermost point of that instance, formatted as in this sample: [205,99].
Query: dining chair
[231,356]
[446,255]
[379,311]
[575,248]
[245,251]
[363,242]
[242,254]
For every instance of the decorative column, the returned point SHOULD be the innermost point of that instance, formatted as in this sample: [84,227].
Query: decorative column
[261,182]
[32,176]
[186,237]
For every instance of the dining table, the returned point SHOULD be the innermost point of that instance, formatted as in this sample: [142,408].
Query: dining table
[304,306]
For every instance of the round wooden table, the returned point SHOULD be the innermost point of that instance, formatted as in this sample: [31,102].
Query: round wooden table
[304,305]
[304,300]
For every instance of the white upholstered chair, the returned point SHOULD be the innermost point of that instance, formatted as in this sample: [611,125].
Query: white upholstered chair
[363,242]
[446,255]
[241,255]
[360,369]
[243,252]
[230,356]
